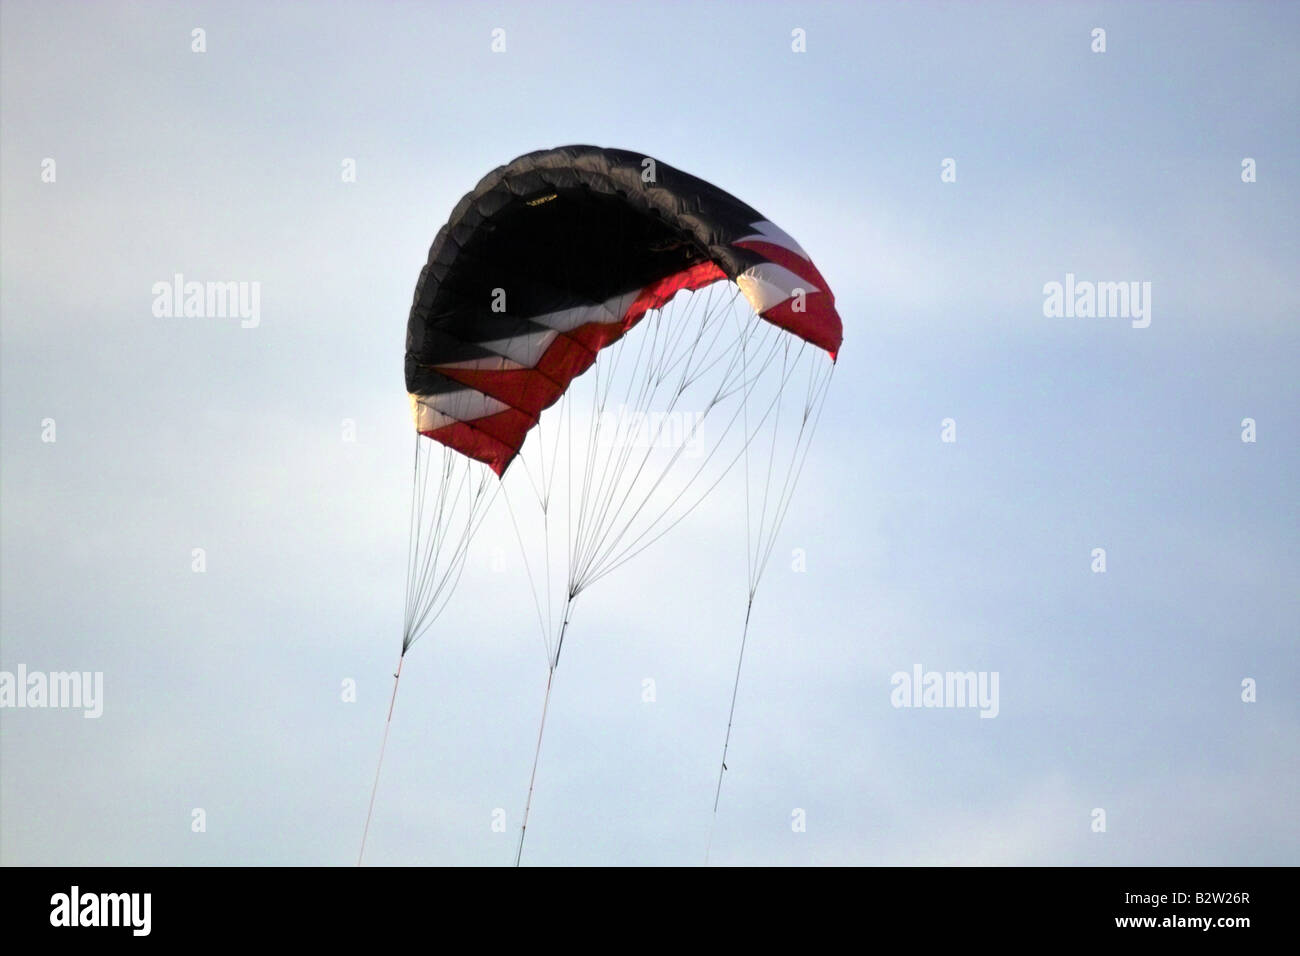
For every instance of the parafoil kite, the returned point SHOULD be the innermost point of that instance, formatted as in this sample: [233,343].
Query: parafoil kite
[609,336]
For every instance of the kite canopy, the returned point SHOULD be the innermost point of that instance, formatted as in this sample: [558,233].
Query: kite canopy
[555,256]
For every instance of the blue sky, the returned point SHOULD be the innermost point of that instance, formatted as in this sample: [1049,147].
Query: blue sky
[1119,691]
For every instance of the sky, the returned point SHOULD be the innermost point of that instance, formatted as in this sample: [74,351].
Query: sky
[223,691]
